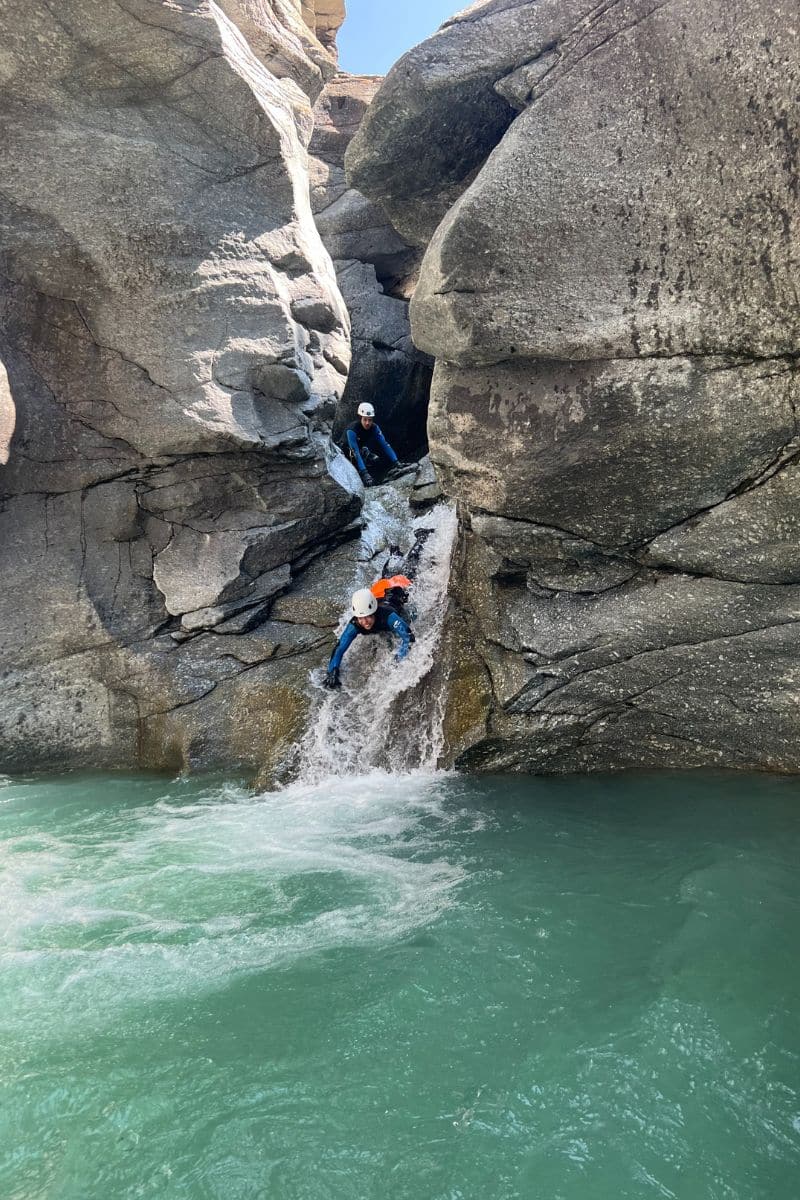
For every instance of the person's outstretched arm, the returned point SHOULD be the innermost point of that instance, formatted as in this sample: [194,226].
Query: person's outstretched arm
[401,631]
[384,445]
[352,442]
[341,646]
[331,679]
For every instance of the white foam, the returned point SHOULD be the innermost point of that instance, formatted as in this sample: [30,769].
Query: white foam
[182,898]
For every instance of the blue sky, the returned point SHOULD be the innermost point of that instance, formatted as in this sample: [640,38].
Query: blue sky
[377,32]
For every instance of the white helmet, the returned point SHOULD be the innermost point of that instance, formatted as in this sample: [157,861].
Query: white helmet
[364,603]
[366,410]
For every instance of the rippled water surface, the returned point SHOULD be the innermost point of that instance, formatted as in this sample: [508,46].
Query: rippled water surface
[414,987]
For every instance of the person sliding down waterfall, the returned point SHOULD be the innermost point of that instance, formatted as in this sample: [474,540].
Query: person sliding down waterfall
[382,608]
[366,445]
[368,617]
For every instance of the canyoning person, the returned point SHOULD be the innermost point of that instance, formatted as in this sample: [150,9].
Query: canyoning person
[383,607]
[366,445]
[369,616]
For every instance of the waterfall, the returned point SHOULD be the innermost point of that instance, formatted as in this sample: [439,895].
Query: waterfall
[387,716]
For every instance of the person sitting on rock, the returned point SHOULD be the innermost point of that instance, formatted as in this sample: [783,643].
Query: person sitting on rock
[368,617]
[366,444]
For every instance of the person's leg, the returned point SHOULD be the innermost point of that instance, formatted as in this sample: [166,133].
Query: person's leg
[411,560]
[377,466]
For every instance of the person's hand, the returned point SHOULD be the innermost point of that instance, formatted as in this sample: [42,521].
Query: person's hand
[367,479]
[332,680]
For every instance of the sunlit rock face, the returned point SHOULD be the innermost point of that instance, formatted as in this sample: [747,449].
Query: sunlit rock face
[376,270]
[609,289]
[175,346]
[283,35]
[324,17]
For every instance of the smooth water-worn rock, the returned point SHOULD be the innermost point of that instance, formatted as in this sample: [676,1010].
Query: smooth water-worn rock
[609,200]
[175,346]
[634,179]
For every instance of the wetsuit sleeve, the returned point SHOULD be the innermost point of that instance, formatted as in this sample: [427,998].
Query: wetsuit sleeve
[341,646]
[352,442]
[401,630]
[384,445]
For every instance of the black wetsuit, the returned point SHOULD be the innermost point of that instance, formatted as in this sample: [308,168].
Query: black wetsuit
[365,442]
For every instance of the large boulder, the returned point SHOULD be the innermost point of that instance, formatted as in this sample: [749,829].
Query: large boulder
[175,346]
[609,199]
[634,179]
[438,114]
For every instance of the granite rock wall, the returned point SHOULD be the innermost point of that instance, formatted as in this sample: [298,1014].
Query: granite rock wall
[609,201]
[174,346]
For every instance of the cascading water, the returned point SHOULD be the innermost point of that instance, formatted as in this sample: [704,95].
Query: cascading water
[388,715]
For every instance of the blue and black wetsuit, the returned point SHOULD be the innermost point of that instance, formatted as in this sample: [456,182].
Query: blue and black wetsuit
[371,441]
[386,621]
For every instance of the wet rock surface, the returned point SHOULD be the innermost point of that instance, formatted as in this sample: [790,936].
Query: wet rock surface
[609,201]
